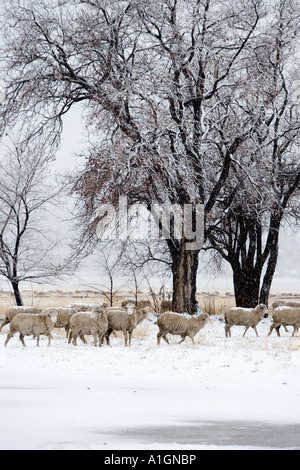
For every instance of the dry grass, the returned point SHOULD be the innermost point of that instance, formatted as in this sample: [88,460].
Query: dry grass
[45,302]
[215,306]
[211,305]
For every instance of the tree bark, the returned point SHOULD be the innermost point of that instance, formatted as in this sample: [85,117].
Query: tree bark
[246,287]
[185,268]
[17,293]
[269,276]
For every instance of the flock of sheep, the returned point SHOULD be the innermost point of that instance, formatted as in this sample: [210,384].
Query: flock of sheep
[101,321]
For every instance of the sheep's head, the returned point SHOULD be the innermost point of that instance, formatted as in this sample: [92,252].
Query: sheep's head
[97,311]
[262,310]
[53,317]
[130,308]
[203,319]
[277,304]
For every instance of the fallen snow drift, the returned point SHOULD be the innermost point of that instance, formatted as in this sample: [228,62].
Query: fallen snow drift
[140,398]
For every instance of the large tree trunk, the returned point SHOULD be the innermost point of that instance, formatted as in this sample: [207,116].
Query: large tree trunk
[185,268]
[246,287]
[17,293]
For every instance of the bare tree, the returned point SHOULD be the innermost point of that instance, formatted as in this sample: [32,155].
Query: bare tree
[29,249]
[141,262]
[166,90]
[109,261]
[268,174]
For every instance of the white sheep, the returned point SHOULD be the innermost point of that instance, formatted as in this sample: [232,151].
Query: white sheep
[32,325]
[285,303]
[180,325]
[285,316]
[125,320]
[249,318]
[84,323]
[12,312]
[139,304]
[64,316]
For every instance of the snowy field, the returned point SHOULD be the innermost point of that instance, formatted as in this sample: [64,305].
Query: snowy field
[235,393]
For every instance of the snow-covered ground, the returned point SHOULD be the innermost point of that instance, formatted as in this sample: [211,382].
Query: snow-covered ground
[221,393]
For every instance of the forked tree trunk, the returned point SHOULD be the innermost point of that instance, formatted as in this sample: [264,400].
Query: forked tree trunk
[250,284]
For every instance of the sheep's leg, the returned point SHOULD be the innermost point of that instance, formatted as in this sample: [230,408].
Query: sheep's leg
[247,328]
[130,337]
[183,339]
[126,338]
[271,329]
[107,336]
[227,331]
[95,340]
[5,322]
[101,339]
[38,341]
[67,328]
[162,334]
[278,331]
[9,337]
[49,340]
[83,339]
[70,337]
[193,339]
[255,329]
[21,338]
[74,337]
[166,339]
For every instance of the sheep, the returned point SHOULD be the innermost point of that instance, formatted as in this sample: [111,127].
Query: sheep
[36,325]
[84,307]
[139,304]
[64,316]
[125,321]
[14,311]
[85,323]
[176,324]
[285,316]
[285,303]
[249,318]
[166,306]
